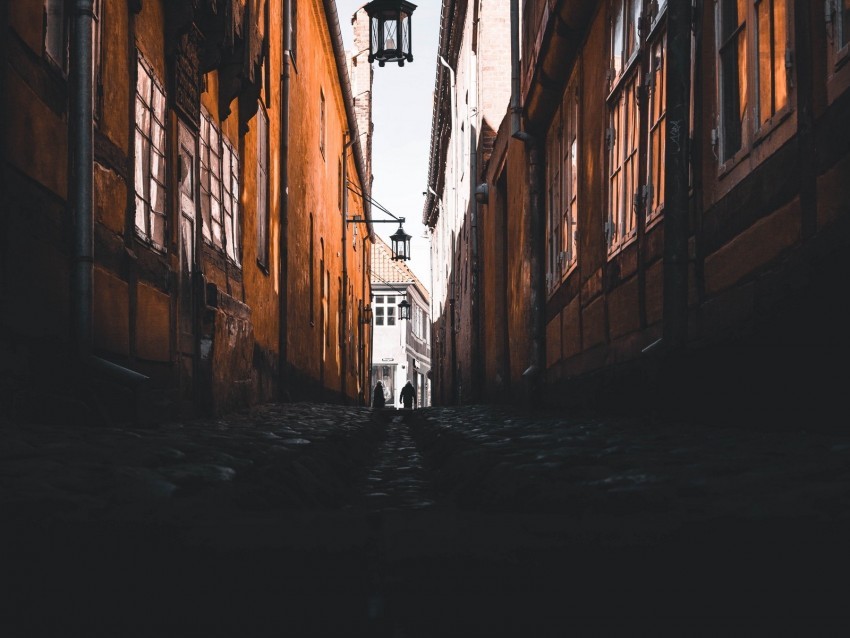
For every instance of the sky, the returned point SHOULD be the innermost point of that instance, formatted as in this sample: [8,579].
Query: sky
[402,103]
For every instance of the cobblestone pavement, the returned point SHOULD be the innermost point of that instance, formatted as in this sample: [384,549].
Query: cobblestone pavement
[320,520]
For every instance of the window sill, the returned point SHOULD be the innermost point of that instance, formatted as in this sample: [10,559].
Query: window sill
[655,219]
[616,250]
[149,243]
[778,119]
[838,81]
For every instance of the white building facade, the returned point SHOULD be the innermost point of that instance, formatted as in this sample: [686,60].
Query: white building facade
[401,347]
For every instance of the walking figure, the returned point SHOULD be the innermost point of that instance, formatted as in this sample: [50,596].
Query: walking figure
[408,396]
[378,396]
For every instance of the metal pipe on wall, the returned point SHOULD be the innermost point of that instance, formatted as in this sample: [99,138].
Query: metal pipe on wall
[81,173]
[283,204]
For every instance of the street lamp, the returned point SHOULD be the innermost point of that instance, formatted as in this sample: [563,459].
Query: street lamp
[403,309]
[390,31]
[399,240]
[400,244]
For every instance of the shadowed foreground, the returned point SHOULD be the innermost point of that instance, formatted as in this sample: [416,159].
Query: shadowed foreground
[318,520]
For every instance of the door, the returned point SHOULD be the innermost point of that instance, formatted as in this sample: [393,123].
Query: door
[187,176]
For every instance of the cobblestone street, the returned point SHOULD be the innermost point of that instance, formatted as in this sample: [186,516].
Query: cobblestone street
[321,520]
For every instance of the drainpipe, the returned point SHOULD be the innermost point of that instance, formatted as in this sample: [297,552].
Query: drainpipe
[477,360]
[80,196]
[344,335]
[676,230]
[534,227]
[81,187]
[455,132]
[283,203]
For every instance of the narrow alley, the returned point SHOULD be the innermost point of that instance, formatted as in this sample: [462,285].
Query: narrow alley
[321,520]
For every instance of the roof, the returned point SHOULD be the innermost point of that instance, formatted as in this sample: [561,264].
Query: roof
[386,270]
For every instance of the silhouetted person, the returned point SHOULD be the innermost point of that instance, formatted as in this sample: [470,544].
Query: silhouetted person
[378,397]
[408,396]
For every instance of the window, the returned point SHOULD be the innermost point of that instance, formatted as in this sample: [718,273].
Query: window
[657,104]
[624,123]
[56,32]
[562,187]
[842,9]
[97,58]
[385,307]
[322,122]
[341,187]
[312,275]
[293,29]
[756,77]
[150,173]
[230,200]
[263,191]
[637,110]
[219,189]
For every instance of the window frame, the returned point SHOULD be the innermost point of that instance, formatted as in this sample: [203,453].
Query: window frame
[838,56]
[656,81]
[146,234]
[220,193]
[624,84]
[562,185]
[61,19]
[754,132]
[323,116]
[263,190]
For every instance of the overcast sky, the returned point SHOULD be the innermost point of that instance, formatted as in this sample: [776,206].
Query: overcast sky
[401,111]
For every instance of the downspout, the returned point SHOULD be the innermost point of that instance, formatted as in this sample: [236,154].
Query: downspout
[81,187]
[283,204]
[345,329]
[677,198]
[534,228]
[477,361]
[80,197]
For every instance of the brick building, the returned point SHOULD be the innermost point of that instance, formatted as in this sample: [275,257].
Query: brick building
[173,193]
[666,206]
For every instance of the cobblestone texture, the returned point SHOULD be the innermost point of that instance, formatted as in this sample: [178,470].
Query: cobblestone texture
[320,520]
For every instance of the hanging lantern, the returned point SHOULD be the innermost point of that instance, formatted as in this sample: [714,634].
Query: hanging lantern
[403,309]
[400,244]
[390,31]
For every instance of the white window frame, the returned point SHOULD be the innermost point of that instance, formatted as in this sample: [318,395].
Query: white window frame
[151,194]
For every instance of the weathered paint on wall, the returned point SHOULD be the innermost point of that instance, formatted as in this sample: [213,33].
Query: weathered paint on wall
[140,300]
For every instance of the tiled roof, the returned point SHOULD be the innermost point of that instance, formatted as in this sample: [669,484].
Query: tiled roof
[386,269]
